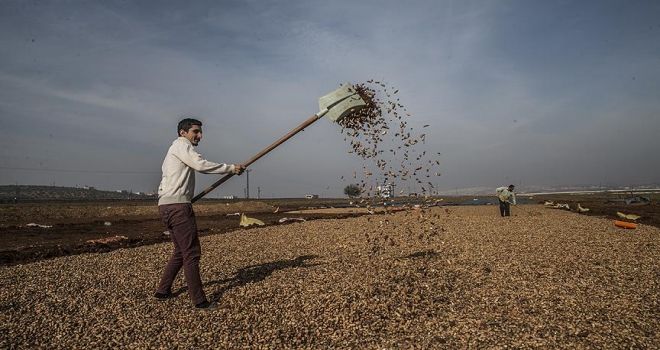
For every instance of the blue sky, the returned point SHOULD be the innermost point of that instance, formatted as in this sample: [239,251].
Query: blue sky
[523,92]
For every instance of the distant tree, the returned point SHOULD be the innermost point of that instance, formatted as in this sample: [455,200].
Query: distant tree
[352,190]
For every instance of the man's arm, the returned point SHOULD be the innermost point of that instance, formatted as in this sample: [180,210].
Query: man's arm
[188,155]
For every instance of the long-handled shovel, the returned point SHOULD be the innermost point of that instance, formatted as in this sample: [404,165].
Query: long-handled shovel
[335,105]
[530,212]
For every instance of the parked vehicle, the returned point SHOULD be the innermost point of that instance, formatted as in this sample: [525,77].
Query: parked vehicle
[385,191]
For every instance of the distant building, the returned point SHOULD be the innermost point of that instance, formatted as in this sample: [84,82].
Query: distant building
[312,196]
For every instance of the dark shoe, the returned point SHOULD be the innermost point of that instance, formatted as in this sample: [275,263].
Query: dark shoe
[206,306]
[161,296]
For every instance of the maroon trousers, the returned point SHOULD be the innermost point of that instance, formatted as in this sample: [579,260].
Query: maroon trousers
[182,224]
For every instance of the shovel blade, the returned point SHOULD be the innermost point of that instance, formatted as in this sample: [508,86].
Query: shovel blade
[341,102]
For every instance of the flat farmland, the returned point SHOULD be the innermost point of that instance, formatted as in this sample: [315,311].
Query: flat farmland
[35,231]
[437,277]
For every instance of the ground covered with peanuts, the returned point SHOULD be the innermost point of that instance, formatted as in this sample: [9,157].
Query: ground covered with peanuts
[442,277]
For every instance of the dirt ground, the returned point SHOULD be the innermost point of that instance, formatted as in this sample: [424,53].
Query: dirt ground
[649,211]
[36,231]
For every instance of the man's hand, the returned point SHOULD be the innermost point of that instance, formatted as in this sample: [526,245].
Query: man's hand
[238,169]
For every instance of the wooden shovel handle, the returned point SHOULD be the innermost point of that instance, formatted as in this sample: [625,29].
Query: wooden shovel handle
[302,126]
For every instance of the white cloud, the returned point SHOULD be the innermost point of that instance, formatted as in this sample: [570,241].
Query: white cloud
[542,92]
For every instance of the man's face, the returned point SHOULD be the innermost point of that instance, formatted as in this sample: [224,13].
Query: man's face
[194,134]
[510,188]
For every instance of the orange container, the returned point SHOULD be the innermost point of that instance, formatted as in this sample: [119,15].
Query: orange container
[625,224]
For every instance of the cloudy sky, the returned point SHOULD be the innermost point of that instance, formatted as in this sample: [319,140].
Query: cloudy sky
[523,92]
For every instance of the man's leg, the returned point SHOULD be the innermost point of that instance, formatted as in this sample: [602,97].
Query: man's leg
[176,260]
[171,270]
[502,208]
[507,209]
[186,241]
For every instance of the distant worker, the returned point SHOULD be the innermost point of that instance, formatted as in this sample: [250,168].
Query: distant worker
[175,195]
[506,198]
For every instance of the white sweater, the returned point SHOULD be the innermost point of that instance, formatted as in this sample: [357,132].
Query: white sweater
[505,195]
[178,182]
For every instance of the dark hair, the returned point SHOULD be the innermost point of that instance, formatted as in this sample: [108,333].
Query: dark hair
[511,186]
[186,124]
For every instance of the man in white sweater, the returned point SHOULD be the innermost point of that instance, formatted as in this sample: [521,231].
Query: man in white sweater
[175,193]
[506,198]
